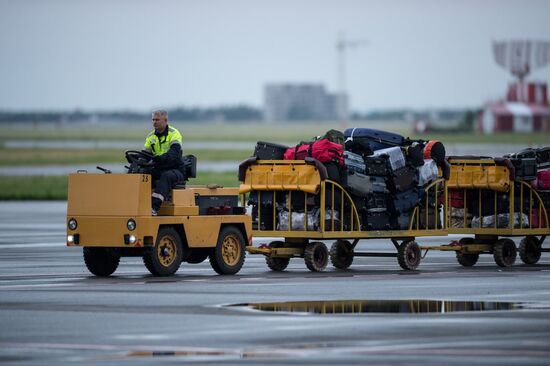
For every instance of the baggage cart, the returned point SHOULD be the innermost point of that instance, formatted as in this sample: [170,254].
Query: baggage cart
[505,207]
[301,189]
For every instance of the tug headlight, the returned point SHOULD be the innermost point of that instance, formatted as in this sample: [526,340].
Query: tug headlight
[72,224]
[131,225]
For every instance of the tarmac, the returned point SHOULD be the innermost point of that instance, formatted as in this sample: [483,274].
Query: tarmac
[52,311]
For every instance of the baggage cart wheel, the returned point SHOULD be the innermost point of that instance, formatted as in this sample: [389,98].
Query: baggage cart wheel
[409,255]
[164,259]
[316,256]
[277,264]
[341,254]
[100,261]
[505,252]
[529,250]
[228,256]
[467,259]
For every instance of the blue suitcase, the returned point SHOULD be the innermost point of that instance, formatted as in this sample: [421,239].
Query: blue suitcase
[377,139]
[404,202]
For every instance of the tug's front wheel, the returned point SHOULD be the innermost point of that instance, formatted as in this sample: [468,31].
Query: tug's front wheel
[164,259]
[100,261]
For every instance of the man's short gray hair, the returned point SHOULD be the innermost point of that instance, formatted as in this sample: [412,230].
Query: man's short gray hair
[160,113]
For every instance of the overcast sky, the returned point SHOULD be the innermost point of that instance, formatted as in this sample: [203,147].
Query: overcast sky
[144,54]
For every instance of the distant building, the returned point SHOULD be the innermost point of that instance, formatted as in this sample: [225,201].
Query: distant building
[525,109]
[303,102]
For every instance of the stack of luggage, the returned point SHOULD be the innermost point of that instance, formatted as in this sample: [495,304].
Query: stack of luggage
[488,208]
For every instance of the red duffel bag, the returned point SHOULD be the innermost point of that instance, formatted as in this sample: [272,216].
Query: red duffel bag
[323,150]
[298,152]
[543,179]
[327,151]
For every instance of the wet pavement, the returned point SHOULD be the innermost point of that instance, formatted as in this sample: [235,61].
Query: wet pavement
[52,311]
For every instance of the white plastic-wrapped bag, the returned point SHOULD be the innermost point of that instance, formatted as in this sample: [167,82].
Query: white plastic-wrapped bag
[427,173]
[396,157]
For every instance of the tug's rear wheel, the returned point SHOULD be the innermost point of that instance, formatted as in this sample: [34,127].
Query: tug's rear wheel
[100,261]
[164,259]
[316,256]
[228,256]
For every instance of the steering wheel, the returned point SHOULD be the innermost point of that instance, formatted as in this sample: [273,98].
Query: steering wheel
[138,157]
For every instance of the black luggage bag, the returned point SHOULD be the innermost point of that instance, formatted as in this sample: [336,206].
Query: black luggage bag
[378,166]
[404,202]
[269,151]
[525,169]
[432,215]
[376,139]
[402,179]
[401,221]
[377,202]
[376,221]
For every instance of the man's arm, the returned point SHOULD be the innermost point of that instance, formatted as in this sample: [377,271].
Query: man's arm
[172,156]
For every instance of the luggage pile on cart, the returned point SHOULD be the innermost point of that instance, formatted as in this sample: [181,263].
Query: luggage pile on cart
[386,175]
[500,192]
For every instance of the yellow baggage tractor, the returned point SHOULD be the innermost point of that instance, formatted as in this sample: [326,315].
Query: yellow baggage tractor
[109,216]
[493,206]
[285,183]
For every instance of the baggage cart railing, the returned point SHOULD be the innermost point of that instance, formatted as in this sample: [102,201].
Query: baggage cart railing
[529,201]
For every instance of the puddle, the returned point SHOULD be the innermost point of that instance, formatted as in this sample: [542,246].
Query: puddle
[387,306]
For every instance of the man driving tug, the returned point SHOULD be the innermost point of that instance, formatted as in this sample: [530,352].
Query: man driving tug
[165,144]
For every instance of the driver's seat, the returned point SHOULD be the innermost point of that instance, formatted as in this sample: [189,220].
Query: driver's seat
[190,162]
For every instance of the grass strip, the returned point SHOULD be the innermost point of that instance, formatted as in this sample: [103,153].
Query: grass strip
[55,187]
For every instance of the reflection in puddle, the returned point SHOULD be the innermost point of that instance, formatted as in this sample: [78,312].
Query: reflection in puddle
[382,306]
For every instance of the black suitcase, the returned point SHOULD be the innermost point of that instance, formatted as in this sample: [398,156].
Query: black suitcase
[359,147]
[361,185]
[543,157]
[334,172]
[414,154]
[376,221]
[402,179]
[266,219]
[526,169]
[269,151]
[545,198]
[404,202]
[354,162]
[378,166]
[376,139]
[377,202]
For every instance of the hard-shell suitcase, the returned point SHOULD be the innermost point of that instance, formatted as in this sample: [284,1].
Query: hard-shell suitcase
[377,202]
[543,157]
[404,202]
[543,179]
[269,151]
[427,173]
[265,219]
[361,185]
[402,179]
[525,169]
[377,221]
[354,162]
[377,139]
[395,155]
[376,165]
